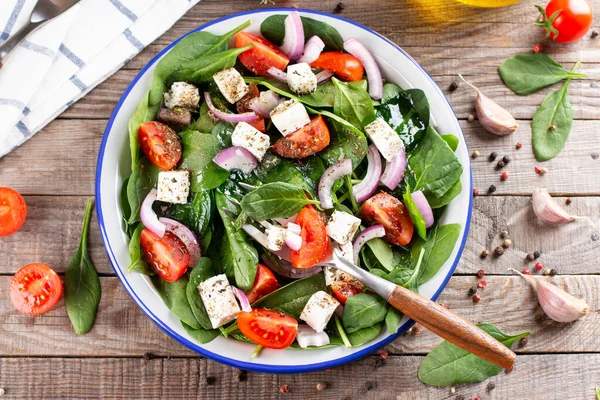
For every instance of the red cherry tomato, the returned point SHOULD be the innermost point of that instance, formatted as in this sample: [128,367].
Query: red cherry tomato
[264,283]
[566,21]
[387,210]
[315,242]
[35,289]
[160,144]
[13,211]
[262,56]
[168,256]
[345,65]
[342,290]
[306,141]
[268,328]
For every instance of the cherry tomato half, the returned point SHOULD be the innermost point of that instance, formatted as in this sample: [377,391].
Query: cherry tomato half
[13,211]
[315,242]
[35,289]
[387,210]
[342,290]
[572,22]
[264,283]
[268,328]
[262,56]
[306,141]
[345,65]
[160,144]
[168,256]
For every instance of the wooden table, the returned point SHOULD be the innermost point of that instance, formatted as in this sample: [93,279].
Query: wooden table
[127,356]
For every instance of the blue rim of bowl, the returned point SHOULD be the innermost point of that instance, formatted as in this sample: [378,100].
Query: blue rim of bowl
[269,368]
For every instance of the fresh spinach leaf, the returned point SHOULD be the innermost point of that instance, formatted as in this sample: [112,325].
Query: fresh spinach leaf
[451,140]
[438,248]
[551,124]
[274,169]
[205,122]
[275,200]
[364,335]
[141,181]
[138,260]
[223,131]
[201,335]
[390,90]
[82,285]
[199,149]
[415,214]
[144,112]
[175,298]
[392,320]
[201,272]
[124,204]
[363,310]
[312,168]
[408,277]
[449,365]
[407,113]
[528,73]
[345,143]
[292,298]
[273,30]
[383,252]
[353,103]
[439,202]
[196,214]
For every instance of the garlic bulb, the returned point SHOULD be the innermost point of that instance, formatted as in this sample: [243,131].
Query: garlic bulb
[548,210]
[491,116]
[559,305]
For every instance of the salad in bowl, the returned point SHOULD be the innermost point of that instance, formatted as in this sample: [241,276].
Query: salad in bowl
[254,156]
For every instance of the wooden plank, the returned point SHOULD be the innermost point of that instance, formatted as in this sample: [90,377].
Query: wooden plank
[556,376]
[122,329]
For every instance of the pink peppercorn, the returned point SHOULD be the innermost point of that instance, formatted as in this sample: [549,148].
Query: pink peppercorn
[482,283]
[480,273]
[537,48]
[538,170]
[505,176]
[383,355]
[526,271]
[539,266]
[476,298]
[519,145]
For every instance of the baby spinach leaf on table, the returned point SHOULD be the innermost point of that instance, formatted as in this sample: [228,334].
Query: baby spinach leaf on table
[415,214]
[438,248]
[273,30]
[138,260]
[528,73]
[363,310]
[292,298]
[201,272]
[439,202]
[82,285]
[392,320]
[364,335]
[196,214]
[237,252]
[353,103]
[551,124]
[451,140]
[199,149]
[449,365]
[407,113]
[175,298]
[275,200]
[141,181]
[201,335]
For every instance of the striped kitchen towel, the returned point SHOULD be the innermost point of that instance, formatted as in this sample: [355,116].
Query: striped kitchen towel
[66,58]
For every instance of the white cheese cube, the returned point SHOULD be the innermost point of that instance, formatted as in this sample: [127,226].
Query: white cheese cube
[250,138]
[318,310]
[183,94]
[219,300]
[342,226]
[385,138]
[306,336]
[173,186]
[276,237]
[347,251]
[330,275]
[231,84]
[289,116]
[301,79]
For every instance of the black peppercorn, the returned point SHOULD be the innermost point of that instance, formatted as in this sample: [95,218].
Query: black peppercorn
[492,189]
[523,342]
[369,386]
[472,290]
[594,34]
[493,156]
[499,251]
[340,6]
[491,386]
[568,202]
[500,164]
[506,159]
[378,363]
[242,375]
[149,356]
[553,272]
[453,86]
[530,257]
[536,254]
[211,380]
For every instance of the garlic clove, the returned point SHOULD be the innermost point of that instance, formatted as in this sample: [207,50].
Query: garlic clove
[548,210]
[491,115]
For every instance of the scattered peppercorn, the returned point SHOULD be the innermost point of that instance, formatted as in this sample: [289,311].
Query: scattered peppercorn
[476,298]
[594,34]
[369,386]
[472,290]
[2,391]
[485,253]
[416,328]
[493,156]
[518,145]
[543,171]
[491,386]
[595,156]
[482,283]
[480,273]
[504,176]
[242,375]
[284,388]
[539,266]
[492,189]
[538,170]
[553,272]
[149,356]
[523,342]
[506,159]
[547,271]
[552,127]
[475,192]
[379,363]
[499,250]
[501,164]
[321,386]
[383,355]
[475,154]
[536,254]
[453,86]
[530,257]
[526,271]
[340,6]
[471,118]
[504,234]
[211,380]
[476,398]
[594,236]
[452,390]
[568,202]
[507,243]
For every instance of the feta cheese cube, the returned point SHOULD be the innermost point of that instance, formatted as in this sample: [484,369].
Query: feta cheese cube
[250,138]
[347,251]
[342,226]
[173,186]
[219,300]
[330,275]
[231,84]
[318,310]
[385,138]
[184,95]
[301,79]
[289,116]
[276,237]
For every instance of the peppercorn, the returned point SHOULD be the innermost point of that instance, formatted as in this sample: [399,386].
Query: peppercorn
[507,243]
[501,164]
[492,189]
[321,386]
[378,363]
[504,176]
[210,380]
[476,398]
[383,355]
[595,236]
[526,271]
[485,253]
[471,118]
[476,298]
[284,388]
[499,250]
[453,86]
[472,290]
[523,342]
[536,254]
[594,34]
[553,272]
[475,192]
[547,271]
[452,390]
[475,154]
[568,202]
[480,273]
[595,155]
[482,283]
[518,145]
[242,375]
[539,266]
[149,356]
[537,170]
[491,386]
[543,171]
[416,328]
[493,156]
[340,6]
[506,159]
[530,257]
[504,234]
[369,386]
[552,127]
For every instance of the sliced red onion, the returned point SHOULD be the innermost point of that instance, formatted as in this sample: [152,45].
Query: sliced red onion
[284,254]
[332,174]
[236,157]
[394,170]
[358,50]
[312,50]
[265,103]
[324,75]
[307,336]
[424,207]
[148,216]
[293,41]
[339,311]
[244,117]
[363,190]
[242,299]
[371,232]
[293,241]
[285,221]
[294,228]
[285,268]
[256,234]
[186,236]
[277,74]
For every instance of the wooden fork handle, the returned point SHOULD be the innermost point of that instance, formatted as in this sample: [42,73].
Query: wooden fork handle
[451,327]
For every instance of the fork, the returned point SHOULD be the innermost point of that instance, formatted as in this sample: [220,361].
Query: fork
[436,318]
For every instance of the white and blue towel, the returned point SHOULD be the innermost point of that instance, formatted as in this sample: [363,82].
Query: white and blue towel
[63,60]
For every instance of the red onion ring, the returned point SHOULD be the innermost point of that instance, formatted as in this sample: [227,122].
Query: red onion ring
[244,117]
[424,207]
[371,232]
[312,50]
[363,190]
[293,241]
[293,41]
[277,74]
[186,236]
[285,268]
[394,170]
[324,75]
[358,50]
[265,103]
[236,157]
[242,298]
[332,174]
[148,216]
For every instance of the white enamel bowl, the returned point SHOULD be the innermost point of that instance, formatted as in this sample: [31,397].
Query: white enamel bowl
[113,168]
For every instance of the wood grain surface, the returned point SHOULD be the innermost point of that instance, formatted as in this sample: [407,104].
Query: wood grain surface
[126,356]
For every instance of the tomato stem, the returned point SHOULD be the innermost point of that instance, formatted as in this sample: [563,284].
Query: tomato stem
[546,22]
